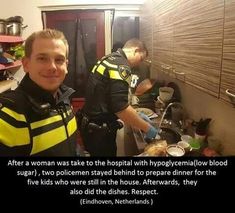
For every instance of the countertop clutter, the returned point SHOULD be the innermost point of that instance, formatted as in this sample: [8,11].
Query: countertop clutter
[172,139]
[178,135]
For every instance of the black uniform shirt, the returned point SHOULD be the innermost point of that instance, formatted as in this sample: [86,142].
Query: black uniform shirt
[108,85]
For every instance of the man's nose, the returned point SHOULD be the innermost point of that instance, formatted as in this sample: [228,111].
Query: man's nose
[52,64]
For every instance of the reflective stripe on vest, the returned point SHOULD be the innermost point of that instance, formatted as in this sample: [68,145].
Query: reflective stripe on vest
[51,138]
[14,130]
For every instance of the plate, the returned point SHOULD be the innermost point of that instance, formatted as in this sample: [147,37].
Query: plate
[146,111]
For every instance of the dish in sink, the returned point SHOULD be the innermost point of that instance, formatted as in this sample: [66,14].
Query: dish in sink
[146,111]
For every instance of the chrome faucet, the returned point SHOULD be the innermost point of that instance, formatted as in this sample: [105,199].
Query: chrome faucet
[168,106]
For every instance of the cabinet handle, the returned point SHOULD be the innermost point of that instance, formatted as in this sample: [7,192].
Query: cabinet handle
[166,68]
[178,73]
[163,67]
[229,93]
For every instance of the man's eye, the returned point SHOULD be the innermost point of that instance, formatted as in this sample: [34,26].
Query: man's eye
[60,60]
[42,59]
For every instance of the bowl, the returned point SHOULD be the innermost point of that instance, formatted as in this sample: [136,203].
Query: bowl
[174,151]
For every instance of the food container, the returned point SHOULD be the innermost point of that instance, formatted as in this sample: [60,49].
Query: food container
[174,150]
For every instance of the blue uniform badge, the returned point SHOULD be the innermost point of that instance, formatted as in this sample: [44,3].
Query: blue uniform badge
[124,71]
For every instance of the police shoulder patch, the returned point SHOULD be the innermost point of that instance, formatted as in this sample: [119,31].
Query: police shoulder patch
[124,71]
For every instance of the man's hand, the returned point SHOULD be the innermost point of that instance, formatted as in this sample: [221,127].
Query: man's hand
[145,117]
[151,133]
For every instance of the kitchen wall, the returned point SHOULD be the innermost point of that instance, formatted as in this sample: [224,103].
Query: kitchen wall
[197,103]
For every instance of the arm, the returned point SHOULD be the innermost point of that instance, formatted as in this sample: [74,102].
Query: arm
[130,116]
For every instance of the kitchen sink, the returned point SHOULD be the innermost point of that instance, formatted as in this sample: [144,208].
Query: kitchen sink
[170,135]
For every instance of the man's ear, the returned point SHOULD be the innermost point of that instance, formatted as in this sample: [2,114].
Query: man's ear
[137,50]
[25,62]
[67,64]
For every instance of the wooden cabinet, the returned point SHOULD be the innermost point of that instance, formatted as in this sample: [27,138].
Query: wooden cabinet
[195,39]
[227,89]
[5,42]
[146,26]
[163,33]
[198,36]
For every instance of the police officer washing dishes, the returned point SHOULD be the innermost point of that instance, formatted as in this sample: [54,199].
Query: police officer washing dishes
[36,119]
[107,100]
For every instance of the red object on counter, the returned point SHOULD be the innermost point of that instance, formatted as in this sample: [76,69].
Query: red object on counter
[208,152]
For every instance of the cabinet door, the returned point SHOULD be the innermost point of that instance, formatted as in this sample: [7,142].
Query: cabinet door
[198,35]
[228,64]
[163,33]
[146,27]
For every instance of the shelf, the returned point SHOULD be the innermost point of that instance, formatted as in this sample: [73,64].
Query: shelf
[10,39]
[6,85]
[11,65]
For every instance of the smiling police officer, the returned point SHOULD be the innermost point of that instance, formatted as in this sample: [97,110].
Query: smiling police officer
[36,119]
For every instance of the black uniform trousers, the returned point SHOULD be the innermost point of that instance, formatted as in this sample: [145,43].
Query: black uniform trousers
[99,142]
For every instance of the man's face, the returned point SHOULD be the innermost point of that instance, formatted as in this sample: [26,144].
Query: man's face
[47,65]
[137,58]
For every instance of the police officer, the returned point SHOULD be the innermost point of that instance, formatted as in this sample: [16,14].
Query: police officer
[36,119]
[107,100]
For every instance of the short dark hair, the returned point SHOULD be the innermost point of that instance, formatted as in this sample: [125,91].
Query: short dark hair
[135,42]
[46,33]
